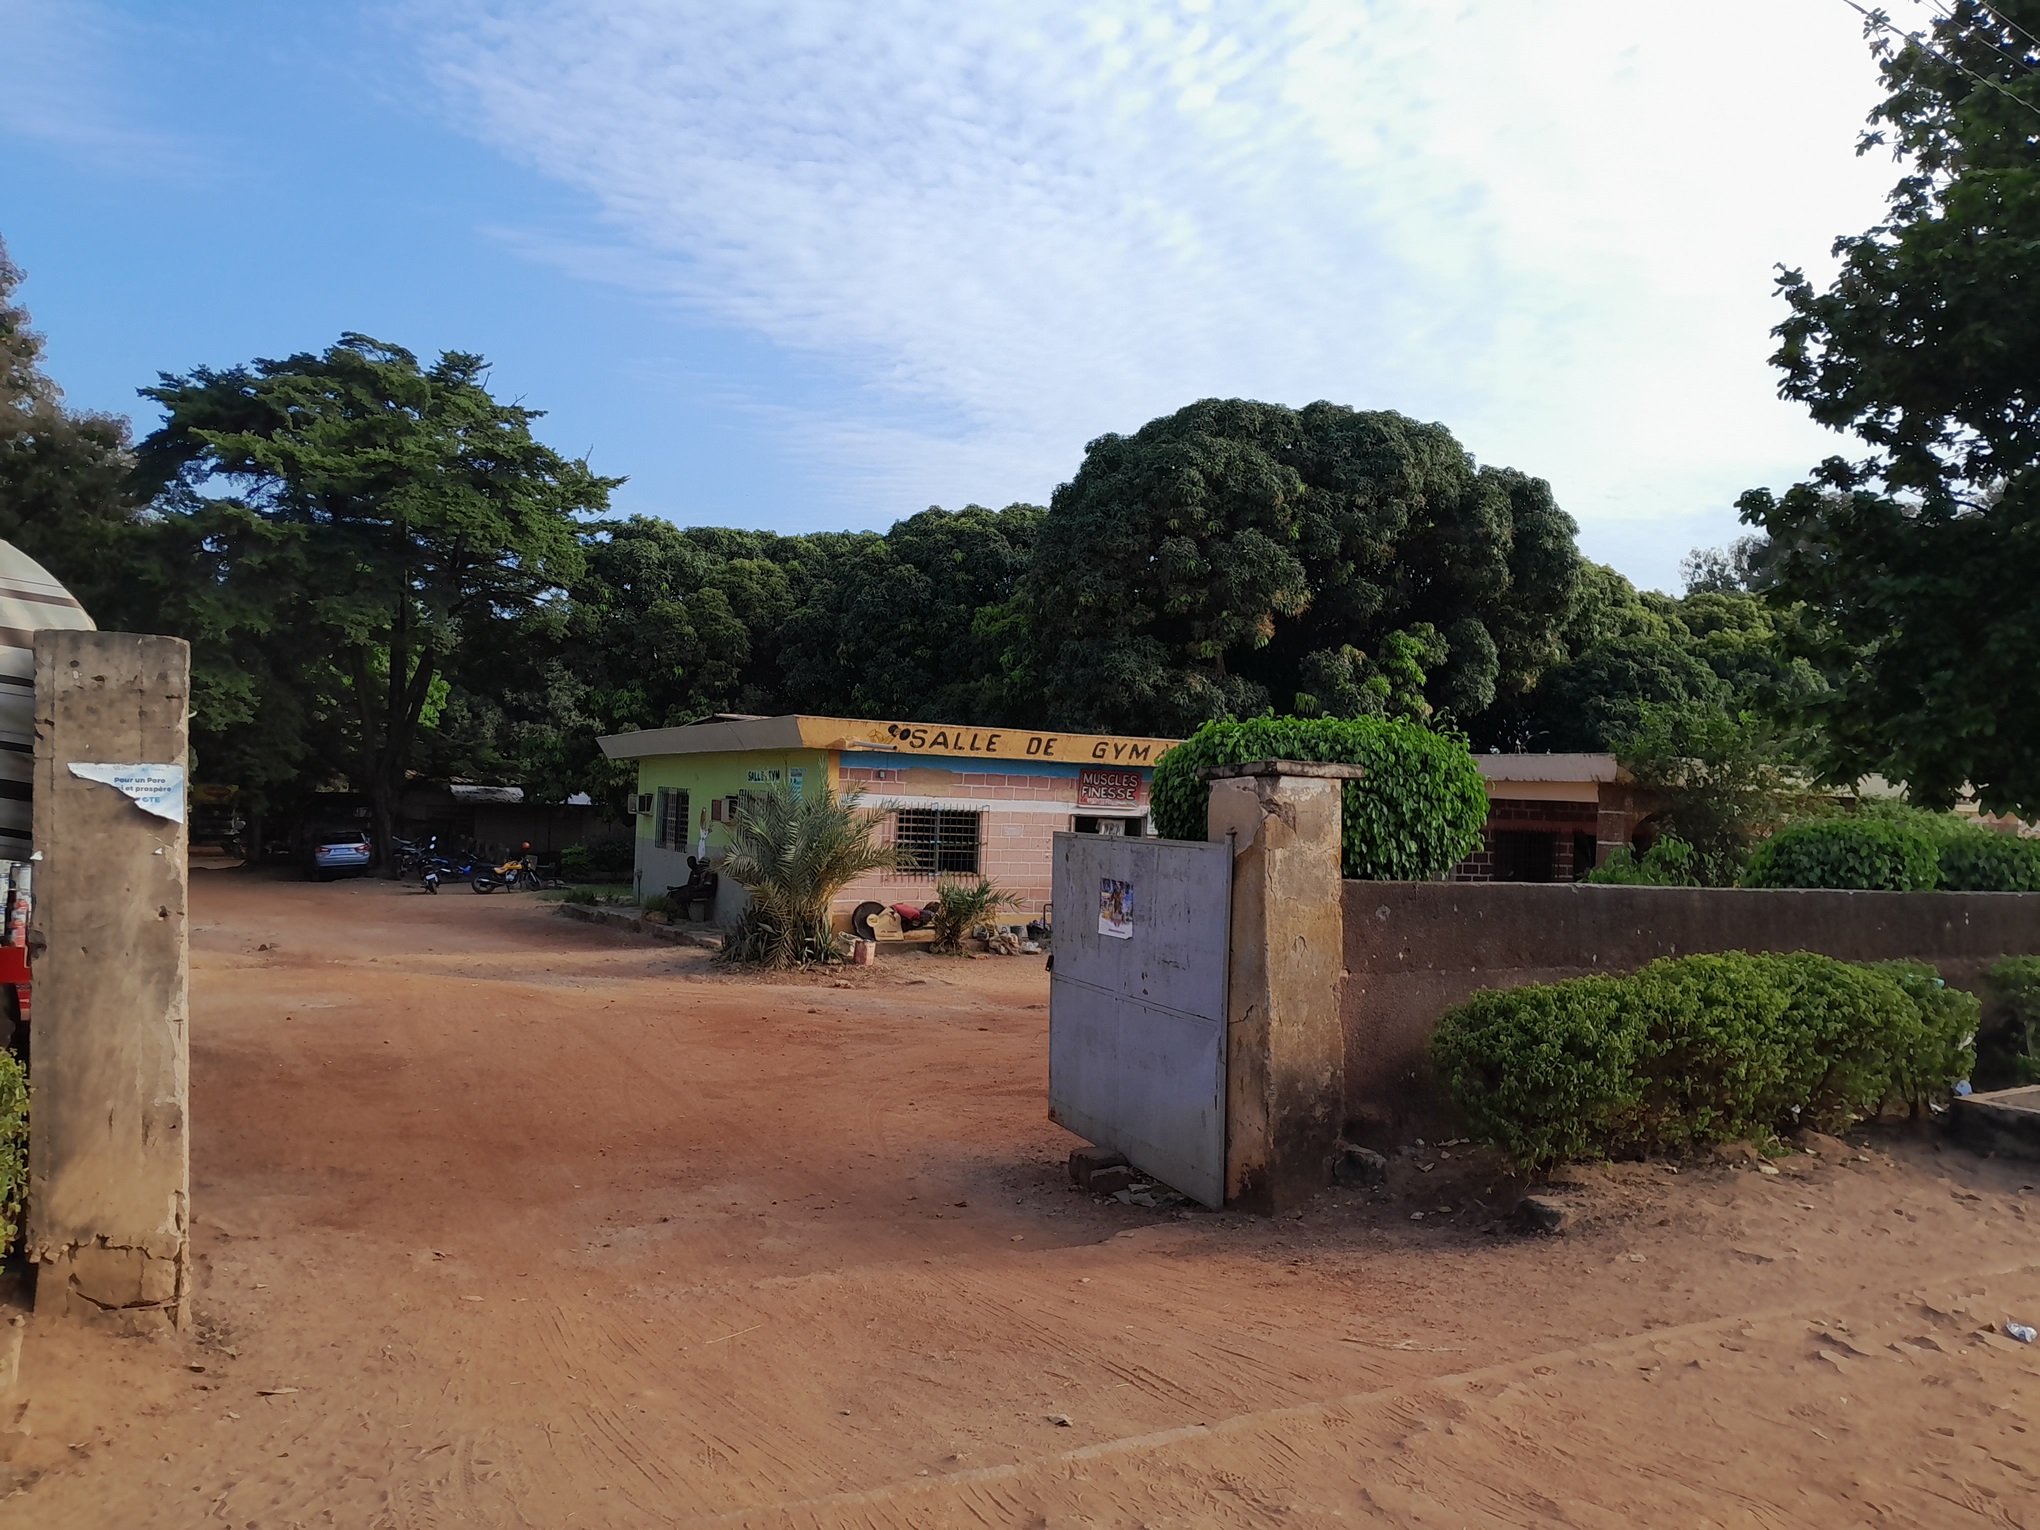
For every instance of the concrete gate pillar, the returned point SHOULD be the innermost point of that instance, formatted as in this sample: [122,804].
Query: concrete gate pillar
[109,1153]
[1285,1041]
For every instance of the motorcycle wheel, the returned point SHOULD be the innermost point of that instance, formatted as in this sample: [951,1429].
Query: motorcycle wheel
[483,884]
[529,881]
[432,886]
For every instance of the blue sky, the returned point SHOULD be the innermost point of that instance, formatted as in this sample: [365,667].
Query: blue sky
[803,265]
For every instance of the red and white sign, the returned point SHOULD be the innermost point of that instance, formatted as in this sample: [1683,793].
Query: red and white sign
[1113,790]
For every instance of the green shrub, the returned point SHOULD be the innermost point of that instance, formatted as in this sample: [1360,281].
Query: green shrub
[661,903]
[1699,1049]
[1982,860]
[793,855]
[1853,1040]
[1543,1073]
[960,907]
[13,1149]
[1670,862]
[1857,854]
[585,895]
[1939,827]
[1416,814]
[611,860]
[2008,1043]
[1709,1050]
[1951,1021]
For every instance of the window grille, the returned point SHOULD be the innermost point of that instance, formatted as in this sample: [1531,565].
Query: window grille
[670,822]
[936,841]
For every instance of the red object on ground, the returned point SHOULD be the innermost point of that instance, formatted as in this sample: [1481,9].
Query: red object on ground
[14,969]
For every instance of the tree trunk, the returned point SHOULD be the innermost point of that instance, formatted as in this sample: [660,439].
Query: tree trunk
[383,819]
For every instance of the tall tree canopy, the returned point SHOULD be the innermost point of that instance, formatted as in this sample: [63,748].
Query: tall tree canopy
[1238,555]
[403,516]
[64,495]
[667,624]
[915,623]
[1918,562]
[1719,648]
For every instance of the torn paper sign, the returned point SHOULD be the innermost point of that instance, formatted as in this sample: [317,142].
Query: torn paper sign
[157,789]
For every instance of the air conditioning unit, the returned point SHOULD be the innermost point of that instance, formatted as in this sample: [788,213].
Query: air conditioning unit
[641,802]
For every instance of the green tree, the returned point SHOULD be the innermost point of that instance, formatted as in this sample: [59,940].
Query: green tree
[1588,702]
[662,625]
[915,623]
[1918,562]
[421,515]
[1717,777]
[793,855]
[64,493]
[1235,555]
[1718,645]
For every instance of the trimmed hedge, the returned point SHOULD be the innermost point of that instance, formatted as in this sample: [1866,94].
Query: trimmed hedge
[13,1149]
[1858,854]
[1982,860]
[2008,1048]
[1699,1049]
[1417,813]
[1888,847]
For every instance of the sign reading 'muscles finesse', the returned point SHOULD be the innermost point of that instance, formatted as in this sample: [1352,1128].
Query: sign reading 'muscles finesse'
[1112,789]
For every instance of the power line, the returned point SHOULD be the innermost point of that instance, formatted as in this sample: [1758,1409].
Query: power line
[1883,23]
[1998,16]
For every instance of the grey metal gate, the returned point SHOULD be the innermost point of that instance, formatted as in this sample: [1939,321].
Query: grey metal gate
[1136,1019]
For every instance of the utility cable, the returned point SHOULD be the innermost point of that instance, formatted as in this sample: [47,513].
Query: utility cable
[1998,16]
[1883,23]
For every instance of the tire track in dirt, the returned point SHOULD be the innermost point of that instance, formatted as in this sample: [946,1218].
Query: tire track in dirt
[595,1153]
[1431,1477]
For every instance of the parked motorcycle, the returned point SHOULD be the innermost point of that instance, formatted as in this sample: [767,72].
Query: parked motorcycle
[521,874]
[458,867]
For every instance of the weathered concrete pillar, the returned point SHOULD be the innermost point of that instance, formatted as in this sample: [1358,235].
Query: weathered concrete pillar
[109,1152]
[1285,1041]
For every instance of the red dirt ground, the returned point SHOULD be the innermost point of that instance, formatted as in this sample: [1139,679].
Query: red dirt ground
[502,1220]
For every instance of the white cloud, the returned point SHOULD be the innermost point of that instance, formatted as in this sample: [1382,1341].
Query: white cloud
[59,57]
[1017,226]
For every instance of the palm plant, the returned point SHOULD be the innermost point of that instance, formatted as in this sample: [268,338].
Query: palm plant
[961,907]
[793,855]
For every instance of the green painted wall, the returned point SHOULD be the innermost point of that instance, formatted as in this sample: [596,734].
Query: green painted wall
[707,776]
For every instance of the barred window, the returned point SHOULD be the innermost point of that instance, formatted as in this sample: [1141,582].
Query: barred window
[670,821]
[936,841]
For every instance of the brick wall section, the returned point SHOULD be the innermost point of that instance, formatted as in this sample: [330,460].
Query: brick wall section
[1014,846]
[1612,821]
[1561,819]
[1414,949]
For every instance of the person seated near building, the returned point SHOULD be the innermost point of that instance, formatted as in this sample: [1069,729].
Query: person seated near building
[702,882]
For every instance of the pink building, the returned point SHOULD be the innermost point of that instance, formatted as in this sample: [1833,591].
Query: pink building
[958,801]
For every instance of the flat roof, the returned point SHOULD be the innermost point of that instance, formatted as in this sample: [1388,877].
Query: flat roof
[730,734]
[1549,767]
[799,731]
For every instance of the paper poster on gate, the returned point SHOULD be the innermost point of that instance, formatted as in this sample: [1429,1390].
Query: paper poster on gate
[157,789]
[1115,908]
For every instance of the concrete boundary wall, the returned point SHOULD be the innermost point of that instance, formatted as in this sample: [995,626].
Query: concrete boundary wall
[1414,949]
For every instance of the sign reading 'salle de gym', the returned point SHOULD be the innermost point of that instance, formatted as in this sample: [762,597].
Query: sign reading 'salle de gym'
[991,743]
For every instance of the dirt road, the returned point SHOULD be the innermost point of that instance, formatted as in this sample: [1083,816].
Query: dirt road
[503,1220]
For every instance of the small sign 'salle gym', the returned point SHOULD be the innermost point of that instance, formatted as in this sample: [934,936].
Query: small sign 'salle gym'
[960,801]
